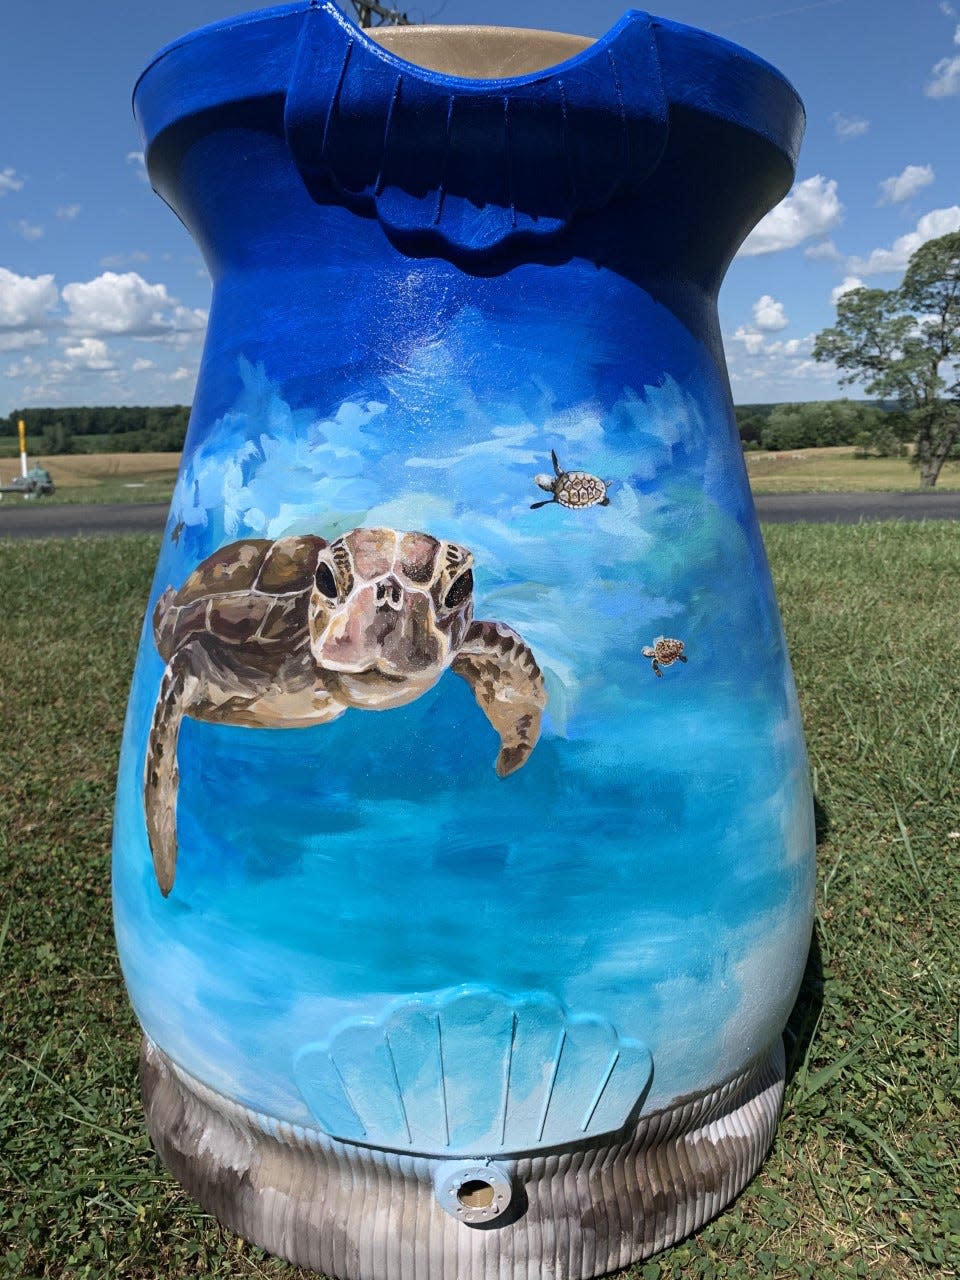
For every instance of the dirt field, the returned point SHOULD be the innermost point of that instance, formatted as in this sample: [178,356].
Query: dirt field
[117,476]
[76,470]
[836,470]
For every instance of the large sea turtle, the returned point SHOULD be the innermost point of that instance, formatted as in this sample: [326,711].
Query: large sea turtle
[293,632]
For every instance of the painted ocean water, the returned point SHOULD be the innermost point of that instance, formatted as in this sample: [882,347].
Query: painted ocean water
[649,865]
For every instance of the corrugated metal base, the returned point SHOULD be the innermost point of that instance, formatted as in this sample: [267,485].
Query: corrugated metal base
[358,1214]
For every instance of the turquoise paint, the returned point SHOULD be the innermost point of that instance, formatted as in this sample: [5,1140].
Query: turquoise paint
[650,868]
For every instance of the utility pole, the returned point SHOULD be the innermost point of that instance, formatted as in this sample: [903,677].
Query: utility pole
[370,14]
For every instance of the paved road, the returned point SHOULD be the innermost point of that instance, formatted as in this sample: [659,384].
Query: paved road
[19,519]
[851,508]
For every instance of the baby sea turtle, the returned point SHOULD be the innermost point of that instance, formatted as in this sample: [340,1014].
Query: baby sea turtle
[293,632]
[571,488]
[664,652]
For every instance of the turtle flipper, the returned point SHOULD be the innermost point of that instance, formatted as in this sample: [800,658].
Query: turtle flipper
[189,687]
[161,775]
[499,667]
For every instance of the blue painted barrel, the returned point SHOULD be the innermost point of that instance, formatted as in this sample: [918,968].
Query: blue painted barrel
[464,849]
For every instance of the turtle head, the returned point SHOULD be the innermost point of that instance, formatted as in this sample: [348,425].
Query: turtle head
[387,614]
[546,482]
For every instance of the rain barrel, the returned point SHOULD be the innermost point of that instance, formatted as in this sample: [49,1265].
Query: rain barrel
[464,848]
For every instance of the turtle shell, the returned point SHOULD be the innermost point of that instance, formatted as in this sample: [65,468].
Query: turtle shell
[580,489]
[254,589]
[667,650]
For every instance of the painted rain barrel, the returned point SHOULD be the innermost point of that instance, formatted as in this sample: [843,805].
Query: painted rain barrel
[464,845]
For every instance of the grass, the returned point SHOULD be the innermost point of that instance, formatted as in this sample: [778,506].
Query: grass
[864,1178]
[836,470]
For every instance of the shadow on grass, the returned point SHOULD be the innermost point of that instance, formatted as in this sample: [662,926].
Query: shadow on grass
[805,1016]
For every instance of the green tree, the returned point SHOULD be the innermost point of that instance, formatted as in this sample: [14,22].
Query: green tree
[750,426]
[904,344]
[56,438]
[812,423]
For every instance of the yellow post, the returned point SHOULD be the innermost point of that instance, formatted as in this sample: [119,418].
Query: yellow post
[22,431]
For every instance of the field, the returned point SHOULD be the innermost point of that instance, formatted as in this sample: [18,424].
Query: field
[864,1177]
[105,477]
[836,470]
[149,477]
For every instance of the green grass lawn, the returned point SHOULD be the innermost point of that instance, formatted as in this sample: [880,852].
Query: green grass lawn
[143,488]
[864,1178]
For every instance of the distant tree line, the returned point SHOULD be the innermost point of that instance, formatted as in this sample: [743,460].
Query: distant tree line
[874,428]
[102,428]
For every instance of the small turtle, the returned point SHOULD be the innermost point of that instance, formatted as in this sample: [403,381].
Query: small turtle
[293,632]
[664,652]
[571,488]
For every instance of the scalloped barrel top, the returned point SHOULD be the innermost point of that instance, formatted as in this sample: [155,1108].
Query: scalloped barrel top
[493,138]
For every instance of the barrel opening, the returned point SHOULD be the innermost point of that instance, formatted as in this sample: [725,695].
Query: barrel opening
[475,1194]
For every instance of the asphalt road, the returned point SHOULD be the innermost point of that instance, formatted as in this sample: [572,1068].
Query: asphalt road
[20,519]
[851,508]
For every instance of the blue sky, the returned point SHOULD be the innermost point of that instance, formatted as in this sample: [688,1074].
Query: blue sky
[103,296]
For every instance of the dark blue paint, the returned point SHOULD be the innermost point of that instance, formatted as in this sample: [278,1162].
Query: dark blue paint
[384,353]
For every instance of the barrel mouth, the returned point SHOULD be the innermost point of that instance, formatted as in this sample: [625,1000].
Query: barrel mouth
[478,52]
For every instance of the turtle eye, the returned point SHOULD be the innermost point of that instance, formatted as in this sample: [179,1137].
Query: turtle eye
[460,591]
[326,582]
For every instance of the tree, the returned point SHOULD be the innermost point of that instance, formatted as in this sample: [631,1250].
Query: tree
[368,11]
[56,438]
[904,344]
[812,423]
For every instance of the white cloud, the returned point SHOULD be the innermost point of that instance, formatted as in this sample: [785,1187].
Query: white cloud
[847,127]
[811,209]
[25,300]
[945,76]
[20,339]
[913,179]
[28,230]
[752,341]
[938,222]
[754,359]
[825,251]
[183,374]
[67,212]
[768,368]
[846,286]
[755,344]
[945,81]
[25,368]
[137,159]
[57,378]
[88,353]
[796,382]
[769,315]
[141,366]
[127,304]
[9,181]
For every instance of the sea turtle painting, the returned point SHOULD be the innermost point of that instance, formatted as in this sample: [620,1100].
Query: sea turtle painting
[296,631]
[664,652]
[573,489]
